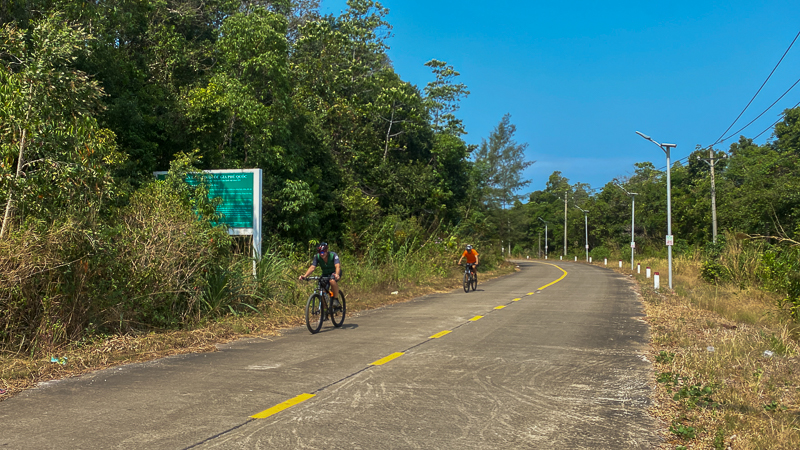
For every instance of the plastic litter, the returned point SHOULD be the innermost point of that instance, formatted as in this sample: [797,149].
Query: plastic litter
[61,361]
[710,348]
[2,391]
[768,353]
[395,292]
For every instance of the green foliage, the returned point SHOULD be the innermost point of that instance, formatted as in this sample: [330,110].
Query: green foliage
[713,272]
[683,431]
[696,395]
[599,253]
[53,155]
[780,271]
[665,357]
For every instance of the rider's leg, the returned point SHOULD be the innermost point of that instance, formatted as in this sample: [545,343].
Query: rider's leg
[335,288]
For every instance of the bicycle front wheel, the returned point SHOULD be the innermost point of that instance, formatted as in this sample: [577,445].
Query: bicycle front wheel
[338,312]
[314,313]
[466,282]
[474,281]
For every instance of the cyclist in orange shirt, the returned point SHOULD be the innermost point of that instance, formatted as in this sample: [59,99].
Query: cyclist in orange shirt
[472,258]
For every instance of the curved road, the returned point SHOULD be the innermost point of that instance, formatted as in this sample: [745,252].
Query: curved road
[550,357]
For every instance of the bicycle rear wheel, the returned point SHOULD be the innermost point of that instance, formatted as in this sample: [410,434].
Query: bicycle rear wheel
[474,281]
[338,312]
[466,282]
[314,313]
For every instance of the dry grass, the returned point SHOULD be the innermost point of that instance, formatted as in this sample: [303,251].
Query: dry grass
[717,336]
[20,372]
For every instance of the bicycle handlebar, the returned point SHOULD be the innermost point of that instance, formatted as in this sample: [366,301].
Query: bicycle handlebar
[315,278]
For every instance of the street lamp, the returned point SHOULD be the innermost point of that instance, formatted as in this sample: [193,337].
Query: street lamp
[586,229]
[670,238]
[711,160]
[545,237]
[633,209]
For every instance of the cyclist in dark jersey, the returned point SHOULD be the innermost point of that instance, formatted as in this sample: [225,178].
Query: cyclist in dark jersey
[329,263]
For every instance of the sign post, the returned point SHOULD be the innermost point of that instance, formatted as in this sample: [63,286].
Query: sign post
[240,191]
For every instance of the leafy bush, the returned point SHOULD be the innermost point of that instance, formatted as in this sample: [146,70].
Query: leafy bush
[713,272]
[780,272]
[599,253]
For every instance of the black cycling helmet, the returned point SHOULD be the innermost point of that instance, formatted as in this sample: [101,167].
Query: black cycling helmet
[322,247]
[469,247]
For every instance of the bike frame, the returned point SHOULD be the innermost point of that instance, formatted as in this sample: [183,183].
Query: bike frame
[323,287]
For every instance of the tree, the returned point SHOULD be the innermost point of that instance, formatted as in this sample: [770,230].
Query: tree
[442,97]
[503,163]
[53,154]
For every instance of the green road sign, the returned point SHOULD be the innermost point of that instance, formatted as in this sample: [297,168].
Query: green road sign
[236,192]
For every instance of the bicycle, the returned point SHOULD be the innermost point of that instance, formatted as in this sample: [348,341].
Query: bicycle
[318,305]
[470,277]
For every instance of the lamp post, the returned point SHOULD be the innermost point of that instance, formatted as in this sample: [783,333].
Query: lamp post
[565,223]
[545,237]
[633,209]
[711,160]
[670,239]
[586,229]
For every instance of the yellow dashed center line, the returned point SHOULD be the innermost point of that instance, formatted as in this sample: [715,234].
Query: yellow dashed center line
[303,397]
[387,359]
[281,406]
[440,334]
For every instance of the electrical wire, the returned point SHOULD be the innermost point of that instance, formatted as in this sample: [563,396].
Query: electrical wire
[757,92]
[775,123]
[762,113]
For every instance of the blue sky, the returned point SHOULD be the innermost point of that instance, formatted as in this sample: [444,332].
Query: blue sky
[580,78]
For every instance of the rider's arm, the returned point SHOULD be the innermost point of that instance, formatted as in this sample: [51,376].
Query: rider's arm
[308,272]
[459,260]
[310,269]
[338,271]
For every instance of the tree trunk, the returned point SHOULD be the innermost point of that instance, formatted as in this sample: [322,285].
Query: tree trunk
[9,201]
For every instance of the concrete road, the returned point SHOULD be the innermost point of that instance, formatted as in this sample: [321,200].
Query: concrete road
[550,357]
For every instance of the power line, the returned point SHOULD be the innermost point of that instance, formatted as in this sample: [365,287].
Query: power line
[775,123]
[762,113]
[686,158]
[757,92]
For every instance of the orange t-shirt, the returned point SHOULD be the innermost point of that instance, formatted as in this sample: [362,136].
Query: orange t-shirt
[471,255]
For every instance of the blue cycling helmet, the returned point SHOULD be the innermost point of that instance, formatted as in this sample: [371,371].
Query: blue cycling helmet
[469,247]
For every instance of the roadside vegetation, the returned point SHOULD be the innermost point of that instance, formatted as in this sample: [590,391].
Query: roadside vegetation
[100,263]
[725,348]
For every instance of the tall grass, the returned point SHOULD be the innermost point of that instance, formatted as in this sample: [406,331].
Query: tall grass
[727,357]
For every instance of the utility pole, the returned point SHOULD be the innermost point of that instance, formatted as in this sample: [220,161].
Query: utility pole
[565,223]
[586,229]
[545,237]
[633,215]
[711,161]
